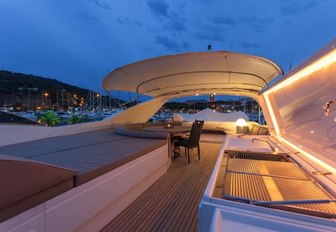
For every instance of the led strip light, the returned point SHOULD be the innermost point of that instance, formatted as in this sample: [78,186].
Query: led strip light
[326,60]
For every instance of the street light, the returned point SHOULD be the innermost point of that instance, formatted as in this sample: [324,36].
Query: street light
[46,98]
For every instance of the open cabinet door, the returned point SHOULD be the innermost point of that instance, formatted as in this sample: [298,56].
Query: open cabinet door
[300,110]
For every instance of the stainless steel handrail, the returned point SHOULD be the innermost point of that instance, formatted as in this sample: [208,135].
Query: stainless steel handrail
[291,202]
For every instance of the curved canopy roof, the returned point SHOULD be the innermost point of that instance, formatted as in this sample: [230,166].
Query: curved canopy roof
[222,72]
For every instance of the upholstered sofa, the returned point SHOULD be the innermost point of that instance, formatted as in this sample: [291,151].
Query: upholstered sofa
[230,127]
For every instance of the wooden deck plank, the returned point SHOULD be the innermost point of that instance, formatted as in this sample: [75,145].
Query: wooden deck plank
[192,199]
[171,204]
[198,194]
[168,211]
[194,210]
[145,203]
[160,210]
[182,205]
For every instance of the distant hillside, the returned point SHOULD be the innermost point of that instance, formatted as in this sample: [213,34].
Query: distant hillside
[12,82]
[34,91]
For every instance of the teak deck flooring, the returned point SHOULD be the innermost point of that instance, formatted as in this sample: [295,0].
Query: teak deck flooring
[171,203]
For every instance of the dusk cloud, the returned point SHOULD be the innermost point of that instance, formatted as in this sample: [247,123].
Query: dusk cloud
[259,24]
[177,25]
[292,8]
[101,4]
[89,17]
[210,36]
[171,44]
[128,21]
[260,20]
[249,45]
[167,43]
[158,7]
[224,20]
[204,1]
[121,32]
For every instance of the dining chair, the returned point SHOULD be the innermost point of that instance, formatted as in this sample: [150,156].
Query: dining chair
[192,141]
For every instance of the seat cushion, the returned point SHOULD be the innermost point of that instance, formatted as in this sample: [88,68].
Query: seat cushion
[140,133]
[181,142]
[33,179]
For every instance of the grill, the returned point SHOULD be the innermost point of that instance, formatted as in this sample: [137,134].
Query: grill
[257,156]
[273,181]
[267,168]
[250,187]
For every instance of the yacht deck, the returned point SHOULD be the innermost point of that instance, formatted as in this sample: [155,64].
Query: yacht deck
[171,204]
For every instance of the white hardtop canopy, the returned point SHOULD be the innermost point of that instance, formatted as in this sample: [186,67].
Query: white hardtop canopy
[187,74]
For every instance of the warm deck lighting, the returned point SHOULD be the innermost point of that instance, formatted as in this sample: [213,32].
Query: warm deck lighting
[241,122]
[323,62]
[271,111]
[309,156]
[241,126]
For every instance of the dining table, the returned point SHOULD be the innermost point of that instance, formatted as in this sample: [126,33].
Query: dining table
[171,130]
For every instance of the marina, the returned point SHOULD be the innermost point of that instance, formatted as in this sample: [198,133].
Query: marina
[239,175]
[177,116]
